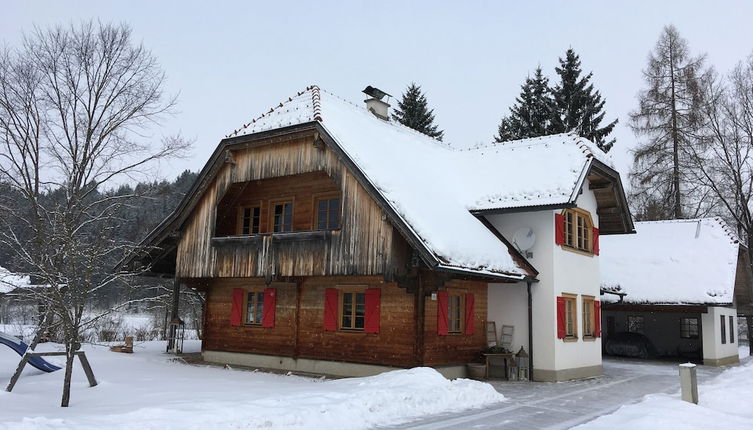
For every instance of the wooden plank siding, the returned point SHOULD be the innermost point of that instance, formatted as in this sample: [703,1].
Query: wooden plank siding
[366,244]
[455,348]
[304,335]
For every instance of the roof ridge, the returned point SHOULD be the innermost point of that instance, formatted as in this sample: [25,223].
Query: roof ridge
[714,219]
[315,100]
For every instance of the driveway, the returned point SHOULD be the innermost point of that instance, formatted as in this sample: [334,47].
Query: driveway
[542,405]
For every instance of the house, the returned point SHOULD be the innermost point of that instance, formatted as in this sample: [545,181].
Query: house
[329,239]
[681,283]
[10,285]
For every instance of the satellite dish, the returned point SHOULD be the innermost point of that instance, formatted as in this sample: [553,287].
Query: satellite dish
[524,238]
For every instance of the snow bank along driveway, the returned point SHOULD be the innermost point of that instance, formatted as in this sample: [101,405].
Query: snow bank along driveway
[147,391]
[724,403]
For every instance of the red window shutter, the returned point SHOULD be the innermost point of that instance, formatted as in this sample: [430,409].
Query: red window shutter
[597,318]
[331,296]
[373,310]
[596,241]
[443,305]
[470,307]
[270,303]
[559,229]
[561,323]
[236,309]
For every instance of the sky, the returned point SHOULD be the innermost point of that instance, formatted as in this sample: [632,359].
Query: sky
[228,62]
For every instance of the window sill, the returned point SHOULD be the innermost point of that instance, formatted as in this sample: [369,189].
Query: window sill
[589,339]
[570,339]
[577,250]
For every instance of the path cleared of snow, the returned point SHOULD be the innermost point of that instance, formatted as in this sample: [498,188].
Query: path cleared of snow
[145,390]
[724,402]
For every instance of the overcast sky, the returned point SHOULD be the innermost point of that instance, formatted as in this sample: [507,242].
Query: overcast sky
[231,61]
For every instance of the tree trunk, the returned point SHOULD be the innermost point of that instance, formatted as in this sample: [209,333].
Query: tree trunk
[677,208]
[68,372]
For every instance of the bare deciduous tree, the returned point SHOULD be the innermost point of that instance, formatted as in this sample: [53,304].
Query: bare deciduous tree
[76,106]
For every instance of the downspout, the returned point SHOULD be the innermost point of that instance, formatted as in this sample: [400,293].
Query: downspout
[530,332]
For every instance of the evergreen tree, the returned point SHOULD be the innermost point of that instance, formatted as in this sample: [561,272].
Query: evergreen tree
[531,116]
[668,116]
[413,112]
[579,107]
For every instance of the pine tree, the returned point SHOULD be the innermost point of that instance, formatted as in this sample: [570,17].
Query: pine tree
[579,107]
[413,112]
[668,116]
[531,116]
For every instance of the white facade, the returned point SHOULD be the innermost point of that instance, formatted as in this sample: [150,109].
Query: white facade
[560,271]
[718,351]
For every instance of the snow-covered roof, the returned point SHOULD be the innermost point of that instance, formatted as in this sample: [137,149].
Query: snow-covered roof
[691,261]
[9,281]
[433,186]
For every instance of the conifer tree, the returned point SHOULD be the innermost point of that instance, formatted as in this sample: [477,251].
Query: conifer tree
[531,116]
[413,112]
[579,108]
[668,117]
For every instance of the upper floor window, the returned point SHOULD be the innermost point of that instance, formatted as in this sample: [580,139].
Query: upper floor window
[250,220]
[327,213]
[282,217]
[574,230]
[578,228]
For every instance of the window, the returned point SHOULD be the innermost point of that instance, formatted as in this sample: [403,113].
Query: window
[327,213]
[353,310]
[635,324]
[454,313]
[724,329]
[731,329]
[250,218]
[254,307]
[589,323]
[689,328]
[578,230]
[566,317]
[282,220]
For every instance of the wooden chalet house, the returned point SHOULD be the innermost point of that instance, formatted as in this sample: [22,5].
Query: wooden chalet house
[329,239]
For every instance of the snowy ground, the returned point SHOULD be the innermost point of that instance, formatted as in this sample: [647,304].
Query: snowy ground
[145,390]
[724,402]
[568,404]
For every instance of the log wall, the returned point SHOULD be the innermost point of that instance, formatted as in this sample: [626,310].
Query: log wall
[303,335]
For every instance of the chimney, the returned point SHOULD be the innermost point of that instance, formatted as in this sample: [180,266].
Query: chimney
[375,104]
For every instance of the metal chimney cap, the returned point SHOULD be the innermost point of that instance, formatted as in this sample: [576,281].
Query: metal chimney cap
[375,93]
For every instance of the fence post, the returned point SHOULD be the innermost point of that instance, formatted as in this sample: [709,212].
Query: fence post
[689,383]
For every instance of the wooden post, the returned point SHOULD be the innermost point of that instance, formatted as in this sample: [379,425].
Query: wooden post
[420,313]
[17,375]
[87,368]
[689,383]
[172,334]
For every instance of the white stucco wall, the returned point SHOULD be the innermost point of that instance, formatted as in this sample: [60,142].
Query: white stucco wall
[560,271]
[510,307]
[713,348]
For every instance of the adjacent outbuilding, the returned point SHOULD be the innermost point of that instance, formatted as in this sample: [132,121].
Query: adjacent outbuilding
[674,289]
